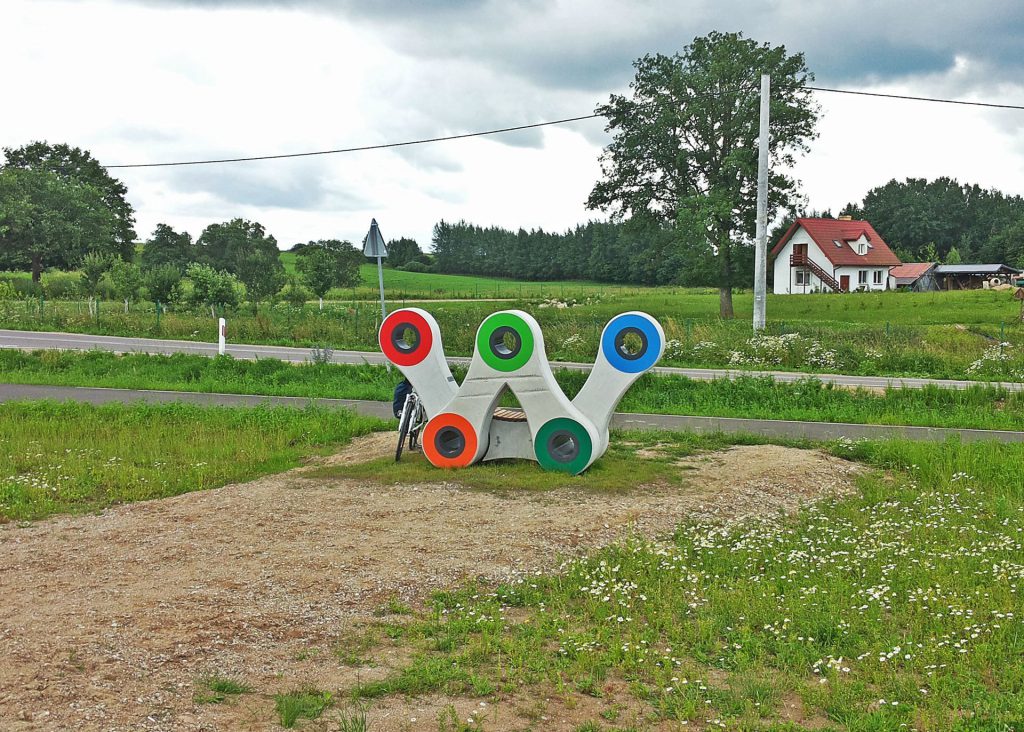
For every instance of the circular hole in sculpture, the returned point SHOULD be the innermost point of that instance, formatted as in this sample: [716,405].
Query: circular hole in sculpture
[405,337]
[563,446]
[505,342]
[631,343]
[450,442]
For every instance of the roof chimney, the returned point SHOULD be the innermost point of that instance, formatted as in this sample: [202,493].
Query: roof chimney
[846,218]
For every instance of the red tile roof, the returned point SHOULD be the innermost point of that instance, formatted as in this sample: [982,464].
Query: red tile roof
[911,271]
[825,232]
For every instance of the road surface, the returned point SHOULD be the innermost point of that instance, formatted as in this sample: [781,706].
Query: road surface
[33,340]
[675,423]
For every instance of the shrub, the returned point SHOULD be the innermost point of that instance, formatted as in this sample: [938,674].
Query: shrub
[414,266]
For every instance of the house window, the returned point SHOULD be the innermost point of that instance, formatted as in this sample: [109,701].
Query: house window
[876,277]
[803,277]
[862,277]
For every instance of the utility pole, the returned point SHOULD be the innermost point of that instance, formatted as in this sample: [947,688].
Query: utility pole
[761,231]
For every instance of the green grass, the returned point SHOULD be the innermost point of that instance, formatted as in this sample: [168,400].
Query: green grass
[301,704]
[216,688]
[616,472]
[940,335]
[898,607]
[980,407]
[57,458]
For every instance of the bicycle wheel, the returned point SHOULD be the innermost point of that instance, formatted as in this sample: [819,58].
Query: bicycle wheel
[403,426]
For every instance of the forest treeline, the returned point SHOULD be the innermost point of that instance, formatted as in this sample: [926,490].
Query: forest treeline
[627,252]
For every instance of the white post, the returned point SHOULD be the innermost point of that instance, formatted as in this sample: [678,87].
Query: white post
[761,231]
[222,338]
[380,277]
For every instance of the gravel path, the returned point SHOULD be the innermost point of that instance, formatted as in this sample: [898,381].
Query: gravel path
[107,621]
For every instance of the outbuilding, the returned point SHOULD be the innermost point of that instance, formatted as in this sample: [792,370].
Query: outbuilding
[916,276]
[974,276]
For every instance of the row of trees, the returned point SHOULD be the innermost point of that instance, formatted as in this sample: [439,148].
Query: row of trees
[944,220]
[635,251]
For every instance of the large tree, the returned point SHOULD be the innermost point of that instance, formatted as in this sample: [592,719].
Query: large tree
[328,263]
[244,249]
[684,147]
[49,221]
[168,246]
[74,165]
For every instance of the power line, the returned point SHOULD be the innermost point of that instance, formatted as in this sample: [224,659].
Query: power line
[383,146]
[407,143]
[916,99]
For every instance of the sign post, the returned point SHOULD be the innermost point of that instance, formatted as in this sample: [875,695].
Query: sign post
[373,246]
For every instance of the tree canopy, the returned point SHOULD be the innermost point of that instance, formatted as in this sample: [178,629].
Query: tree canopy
[684,147]
[915,213]
[244,249]
[49,221]
[402,251]
[168,246]
[328,263]
[78,166]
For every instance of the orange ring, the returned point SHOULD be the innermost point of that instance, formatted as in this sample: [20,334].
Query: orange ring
[456,422]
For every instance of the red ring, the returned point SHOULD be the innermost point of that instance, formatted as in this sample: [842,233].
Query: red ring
[448,419]
[423,345]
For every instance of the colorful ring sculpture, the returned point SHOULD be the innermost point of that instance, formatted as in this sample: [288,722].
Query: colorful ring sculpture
[558,433]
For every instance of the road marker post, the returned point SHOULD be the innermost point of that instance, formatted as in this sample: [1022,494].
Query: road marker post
[222,332]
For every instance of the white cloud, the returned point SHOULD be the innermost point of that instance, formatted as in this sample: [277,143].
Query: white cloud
[164,81]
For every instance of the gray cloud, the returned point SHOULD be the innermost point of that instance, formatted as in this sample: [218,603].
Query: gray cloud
[300,187]
[591,46]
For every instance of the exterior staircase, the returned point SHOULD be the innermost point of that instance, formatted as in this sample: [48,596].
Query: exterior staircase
[802,260]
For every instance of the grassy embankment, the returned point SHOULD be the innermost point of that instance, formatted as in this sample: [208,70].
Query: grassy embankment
[980,407]
[940,335]
[58,458]
[897,608]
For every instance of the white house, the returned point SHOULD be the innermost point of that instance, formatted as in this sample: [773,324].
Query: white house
[831,255]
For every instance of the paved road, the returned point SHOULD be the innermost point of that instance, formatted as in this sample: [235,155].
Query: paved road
[32,340]
[674,423]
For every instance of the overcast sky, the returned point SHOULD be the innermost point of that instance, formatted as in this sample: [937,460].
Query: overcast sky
[160,80]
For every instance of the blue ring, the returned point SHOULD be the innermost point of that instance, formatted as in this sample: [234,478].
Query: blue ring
[641,362]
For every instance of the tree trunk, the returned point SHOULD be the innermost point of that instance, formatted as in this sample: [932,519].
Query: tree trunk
[37,268]
[725,310]
[725,303]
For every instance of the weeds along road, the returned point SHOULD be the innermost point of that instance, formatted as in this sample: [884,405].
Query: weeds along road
[35,340]
[772,428]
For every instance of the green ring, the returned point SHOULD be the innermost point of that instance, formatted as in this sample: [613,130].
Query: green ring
[540,445]
[483,341]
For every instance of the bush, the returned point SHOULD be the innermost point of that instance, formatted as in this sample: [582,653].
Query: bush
[294,293]
[7,292]
[61,286]
[414,266]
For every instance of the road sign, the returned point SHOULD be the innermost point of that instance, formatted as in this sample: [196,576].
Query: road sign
[373,243]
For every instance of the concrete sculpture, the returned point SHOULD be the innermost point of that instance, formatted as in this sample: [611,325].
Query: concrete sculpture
[560,434]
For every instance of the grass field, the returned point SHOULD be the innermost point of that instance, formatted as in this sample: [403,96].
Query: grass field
[897,608]
[981,407]
[58,458]
[941,335]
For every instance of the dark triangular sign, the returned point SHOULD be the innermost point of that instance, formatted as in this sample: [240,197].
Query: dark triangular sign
[373,244]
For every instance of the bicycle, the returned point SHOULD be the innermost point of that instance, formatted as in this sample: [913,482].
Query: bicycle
[410,423]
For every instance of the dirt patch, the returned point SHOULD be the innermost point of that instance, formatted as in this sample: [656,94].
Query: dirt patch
[108,621]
